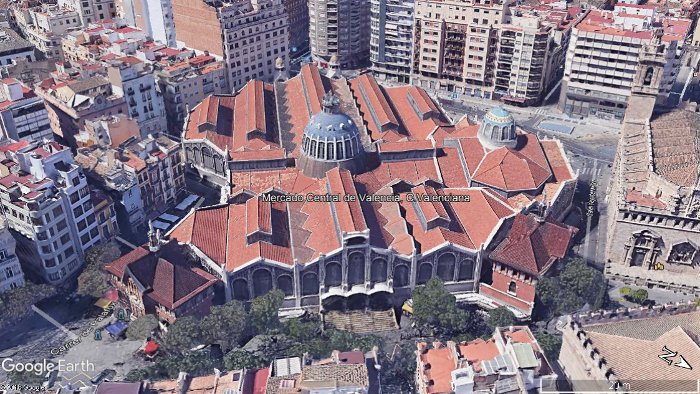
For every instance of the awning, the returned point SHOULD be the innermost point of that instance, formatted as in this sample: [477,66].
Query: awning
[116,329]
[103,303]
[151,347]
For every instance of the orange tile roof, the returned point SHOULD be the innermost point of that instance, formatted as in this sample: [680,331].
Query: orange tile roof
[479,350]
[441,363]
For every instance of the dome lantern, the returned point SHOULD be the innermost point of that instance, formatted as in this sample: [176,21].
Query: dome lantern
[497,129]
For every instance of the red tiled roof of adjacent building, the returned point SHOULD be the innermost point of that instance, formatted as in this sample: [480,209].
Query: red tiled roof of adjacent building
[166,279]
[533,245]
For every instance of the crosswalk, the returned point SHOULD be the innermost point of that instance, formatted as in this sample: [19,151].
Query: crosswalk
[593,171]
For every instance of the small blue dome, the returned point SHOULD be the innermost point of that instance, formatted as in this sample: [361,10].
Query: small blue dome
[498,115]
[330,125]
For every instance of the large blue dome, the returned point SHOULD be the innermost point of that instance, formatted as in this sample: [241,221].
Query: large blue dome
[330,125]
[499,116]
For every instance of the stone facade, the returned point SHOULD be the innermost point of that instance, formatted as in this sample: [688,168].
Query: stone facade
[654,222]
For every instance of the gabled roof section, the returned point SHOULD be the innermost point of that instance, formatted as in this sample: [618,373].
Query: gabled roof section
[348,211]
[240,123]
[533,245]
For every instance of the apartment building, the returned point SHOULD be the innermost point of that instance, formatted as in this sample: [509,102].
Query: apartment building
[531,51]
[155,17]
[11,275]
[12,46]
[249,35]
[105,213]
[339,32]
[603,56]
[110,131]
[44,25]
[186,82]
[91,11]
[144,176]
[46,201]
[298,14]
[456,43]
[511,361]
[134,79]
[102,42]
[391,39]
[23,115]
[70,101]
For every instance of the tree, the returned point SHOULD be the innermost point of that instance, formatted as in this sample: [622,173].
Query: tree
[583,281]
[638,296]
[142,327]
[137,375]
[264,312]
[239,359]
[102,254]
[399,372]
[16,304]
[195,364]
[435,308]
[225,324]
[550,344]
[92,280]
[501,317]
[25,378]
[183,335]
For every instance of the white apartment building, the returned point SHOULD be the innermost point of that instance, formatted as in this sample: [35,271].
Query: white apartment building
[455,45]
[91,10]
[46,201]
[23,115]
[11,275]
[44,26]
[391,39]
[531,51]
[135,80]
[603,55]
[155,17]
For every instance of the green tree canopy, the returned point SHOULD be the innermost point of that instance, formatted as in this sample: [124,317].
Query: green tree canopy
[239,359]
[142,328]
[225,324]
[550,344]
[186,333]
[92,281]
[264,312]
[434,307]
[501,317]
[15,304]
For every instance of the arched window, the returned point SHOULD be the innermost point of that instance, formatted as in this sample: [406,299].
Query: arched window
[330,154]
[334,274]
[683,253]
[285,283]
[446,267]
[207,158]
[512,287]
[312,152]
[218,164]
[378,270]
[321,150]
[309,284]
[401,276]
[356,268]
[262,281]
[189,154]
[240,290]
[466,269]
[648,76]
[339,150]
[425,272]
[197,156]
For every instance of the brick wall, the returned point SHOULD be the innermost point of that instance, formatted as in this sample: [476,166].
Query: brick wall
[197,26]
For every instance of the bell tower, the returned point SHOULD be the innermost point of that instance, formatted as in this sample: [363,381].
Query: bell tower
[647,81]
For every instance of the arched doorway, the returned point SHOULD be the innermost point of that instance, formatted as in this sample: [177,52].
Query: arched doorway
[262,282]
[425,271]
[446,267]
[378,270]
[334,274]
[356,268]
[240,290]
[466,269]
[285,283]
[309,284]
[401,276]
